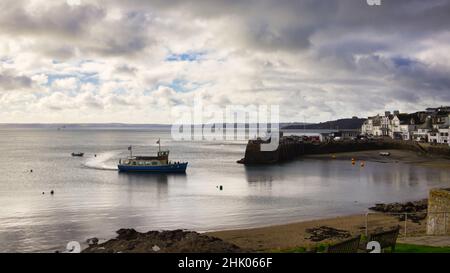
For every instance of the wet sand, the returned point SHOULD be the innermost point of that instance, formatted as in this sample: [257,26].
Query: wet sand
[290,236]
[397,156]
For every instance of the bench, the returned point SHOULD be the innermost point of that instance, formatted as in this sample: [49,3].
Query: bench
[385,238]
[347,246]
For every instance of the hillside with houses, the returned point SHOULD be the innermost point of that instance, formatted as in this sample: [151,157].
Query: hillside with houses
[346,123]
[431,125]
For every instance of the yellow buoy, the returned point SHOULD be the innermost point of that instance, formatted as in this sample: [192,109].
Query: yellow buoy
[333,156]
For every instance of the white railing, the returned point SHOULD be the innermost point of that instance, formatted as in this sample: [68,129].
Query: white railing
[408,216]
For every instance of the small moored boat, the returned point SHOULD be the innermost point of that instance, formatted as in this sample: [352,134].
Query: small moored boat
[151,164]
[78,154]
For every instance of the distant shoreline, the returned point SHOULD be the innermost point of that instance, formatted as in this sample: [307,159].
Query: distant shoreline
[82,125]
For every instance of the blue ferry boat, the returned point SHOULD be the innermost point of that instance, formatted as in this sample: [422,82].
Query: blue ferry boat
[151,164]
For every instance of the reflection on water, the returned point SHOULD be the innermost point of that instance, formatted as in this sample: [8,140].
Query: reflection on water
[92,199]
[157,183]
[139,178]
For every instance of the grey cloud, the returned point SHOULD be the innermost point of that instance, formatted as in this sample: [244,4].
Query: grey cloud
[62,30]
[11,82]
[268,25]
[126,70]
[119,101]
[408,79]
[63,20]
[290,23]
[59,52]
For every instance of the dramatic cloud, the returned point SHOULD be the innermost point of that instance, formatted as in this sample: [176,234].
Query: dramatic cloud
[138,60]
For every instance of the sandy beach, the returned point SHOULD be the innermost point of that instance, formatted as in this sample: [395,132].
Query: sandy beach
[396,156]
[290,236]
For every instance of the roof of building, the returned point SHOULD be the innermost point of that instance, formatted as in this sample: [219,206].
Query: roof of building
[411,119]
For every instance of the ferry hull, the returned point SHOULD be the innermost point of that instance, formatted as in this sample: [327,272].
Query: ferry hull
[173,168]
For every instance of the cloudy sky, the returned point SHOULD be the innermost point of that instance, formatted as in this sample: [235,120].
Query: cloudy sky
[139,61]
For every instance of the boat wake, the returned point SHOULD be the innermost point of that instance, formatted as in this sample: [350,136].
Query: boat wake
[101,161]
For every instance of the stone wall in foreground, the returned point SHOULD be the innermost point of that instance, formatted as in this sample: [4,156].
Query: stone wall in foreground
[438,212]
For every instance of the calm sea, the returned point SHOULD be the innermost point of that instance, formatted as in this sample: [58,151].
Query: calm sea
[93,200]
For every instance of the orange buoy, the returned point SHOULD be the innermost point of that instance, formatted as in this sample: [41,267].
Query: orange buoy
[363,164]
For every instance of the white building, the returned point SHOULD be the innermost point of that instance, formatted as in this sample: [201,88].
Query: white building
[367,127]
[439,136]
[377,126]
[421,134]
[401,127]
[433,136]
[444,136]
[425,126]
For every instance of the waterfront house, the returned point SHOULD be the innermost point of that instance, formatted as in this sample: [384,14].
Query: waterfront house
[433,136]
[441,120]
[439,136]
[348,134]
[431,125]
[422,130]
[402,126]
[444,136]
[421,135]
[367,127]
[376,126]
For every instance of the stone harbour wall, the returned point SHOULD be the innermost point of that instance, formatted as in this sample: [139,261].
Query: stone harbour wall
[289,149]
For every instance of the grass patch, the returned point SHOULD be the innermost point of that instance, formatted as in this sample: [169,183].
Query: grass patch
[319,248]
[290,250]
[406,248]
[399,248]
